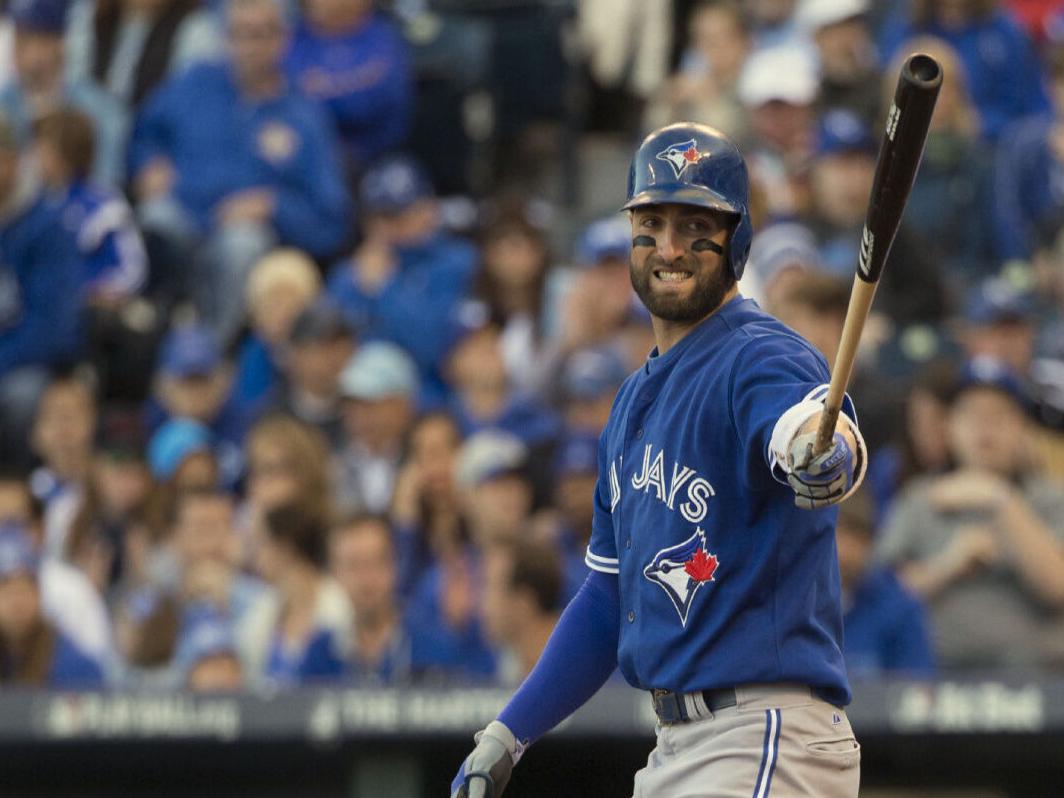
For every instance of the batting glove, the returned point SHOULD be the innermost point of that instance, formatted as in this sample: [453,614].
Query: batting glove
[821,480]
[486,772]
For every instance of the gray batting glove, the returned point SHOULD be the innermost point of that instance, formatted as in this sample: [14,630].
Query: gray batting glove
[821,480]
[486,772]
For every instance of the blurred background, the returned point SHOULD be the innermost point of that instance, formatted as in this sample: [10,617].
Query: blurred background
[311,314]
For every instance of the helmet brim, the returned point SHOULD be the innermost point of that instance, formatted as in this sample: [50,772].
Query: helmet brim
[696,196]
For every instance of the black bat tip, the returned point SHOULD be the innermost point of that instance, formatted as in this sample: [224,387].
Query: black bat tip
[923,70]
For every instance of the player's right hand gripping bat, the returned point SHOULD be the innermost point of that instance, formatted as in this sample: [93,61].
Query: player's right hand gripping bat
[899,157]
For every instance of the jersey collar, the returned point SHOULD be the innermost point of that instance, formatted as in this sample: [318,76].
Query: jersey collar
[702,335]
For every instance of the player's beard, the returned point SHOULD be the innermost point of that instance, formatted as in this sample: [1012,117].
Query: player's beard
[708,292]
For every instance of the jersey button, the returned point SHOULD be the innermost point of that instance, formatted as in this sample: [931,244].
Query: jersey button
[639,433]
[628,543]
[631,616]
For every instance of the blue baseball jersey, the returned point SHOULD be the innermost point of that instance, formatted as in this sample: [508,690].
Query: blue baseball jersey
[723,580]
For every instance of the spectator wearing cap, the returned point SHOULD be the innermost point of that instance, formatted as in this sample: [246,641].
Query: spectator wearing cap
[129,48]
[407,277]
[42,85]
[840,180]
[781,255]
[512,283]
[704,86]
[774,23]
[352,59]
[999,323]
[1002,67]
[40,297]
[951,204]
[589,383]
[264,171]
[62,437]
[387,644]
[598,298]
[68,599]
[33,652]
[982,544]
[320,343]
[297,634]
[379,386]
[1028,169]
[207,657]
[193,381]
[523,598]
[181,454]
[778,88]
[885,626]
[849,77]
[281,286]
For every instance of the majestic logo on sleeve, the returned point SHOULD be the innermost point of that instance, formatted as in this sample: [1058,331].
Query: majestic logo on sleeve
[681,570]
[680,156]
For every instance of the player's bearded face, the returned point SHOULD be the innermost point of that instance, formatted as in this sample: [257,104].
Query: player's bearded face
[678,281]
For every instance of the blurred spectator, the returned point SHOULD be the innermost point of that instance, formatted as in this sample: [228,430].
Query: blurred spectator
[523,599]
[352,58]
[208,658]
[404,281]
[778,87]
[42,86]
[287,464]
[131,46]
[512,284]
[885,630]
[704,87]
[281,286]
[32,651]
[1028,170]
[781,256]
[181,454]
[98,217]
[68,598]
[849,77]
[320,342]
[379,386]
[387,645]
[62,437]
[264,171]
[298,635]
[426,511]
[194,381]
[840,178]
[589,383]
[998,323]
[496,493]
[815,308]
[982,543]
[1002,67]
[951,201]
[40,279]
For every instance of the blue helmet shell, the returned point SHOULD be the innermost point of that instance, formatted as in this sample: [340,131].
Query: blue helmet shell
[694,164]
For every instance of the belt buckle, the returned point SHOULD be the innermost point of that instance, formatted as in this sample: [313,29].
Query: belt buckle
[670,704]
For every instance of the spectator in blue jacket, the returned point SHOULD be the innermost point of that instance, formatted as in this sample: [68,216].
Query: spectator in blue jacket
[40,296]
[1002,67]
[404,282]
[354,60]
[42,86]
[1028,173]
[97,216]
[32,651]
[229,159]
[885,625]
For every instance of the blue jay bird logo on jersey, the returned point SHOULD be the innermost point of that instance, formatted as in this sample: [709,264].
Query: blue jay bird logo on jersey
[681,570]
[680,156]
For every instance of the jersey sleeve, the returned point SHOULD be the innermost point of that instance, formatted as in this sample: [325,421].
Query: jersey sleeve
[602,550]
[772,374]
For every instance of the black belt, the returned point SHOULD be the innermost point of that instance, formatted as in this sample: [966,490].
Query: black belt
[671,708]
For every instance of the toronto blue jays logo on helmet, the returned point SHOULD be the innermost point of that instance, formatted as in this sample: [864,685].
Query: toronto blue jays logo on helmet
[681,570]
[680,156]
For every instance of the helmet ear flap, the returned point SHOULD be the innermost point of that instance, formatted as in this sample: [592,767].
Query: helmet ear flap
[739,245]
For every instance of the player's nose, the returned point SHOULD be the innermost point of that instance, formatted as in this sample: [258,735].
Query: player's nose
[669,245]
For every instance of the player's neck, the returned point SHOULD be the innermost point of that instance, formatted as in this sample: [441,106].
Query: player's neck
[669,333]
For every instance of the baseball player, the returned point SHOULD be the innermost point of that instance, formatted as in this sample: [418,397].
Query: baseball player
[714,581]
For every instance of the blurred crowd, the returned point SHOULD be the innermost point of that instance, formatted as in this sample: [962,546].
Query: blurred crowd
[302,375]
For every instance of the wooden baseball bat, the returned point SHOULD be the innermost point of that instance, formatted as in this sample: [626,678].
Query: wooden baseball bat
[899,157]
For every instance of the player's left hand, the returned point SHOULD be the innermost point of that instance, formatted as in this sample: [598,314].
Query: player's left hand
[486,771]
[821,480]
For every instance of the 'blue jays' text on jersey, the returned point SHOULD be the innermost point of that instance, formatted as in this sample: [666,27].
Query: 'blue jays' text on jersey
[723,581]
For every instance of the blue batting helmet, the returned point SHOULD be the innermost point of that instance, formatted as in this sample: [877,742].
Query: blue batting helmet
[693,164]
